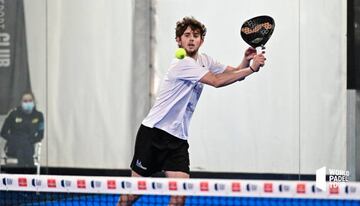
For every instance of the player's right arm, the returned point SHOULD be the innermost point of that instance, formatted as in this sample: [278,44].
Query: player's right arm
[233,74]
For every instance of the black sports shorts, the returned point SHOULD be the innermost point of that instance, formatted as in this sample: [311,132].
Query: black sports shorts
[157,150]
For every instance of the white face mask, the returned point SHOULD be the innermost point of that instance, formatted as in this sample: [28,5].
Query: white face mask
[27,106]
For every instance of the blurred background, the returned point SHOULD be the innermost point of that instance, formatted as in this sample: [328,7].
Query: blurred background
[94,67]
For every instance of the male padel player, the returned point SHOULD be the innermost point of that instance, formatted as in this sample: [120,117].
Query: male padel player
[161,142]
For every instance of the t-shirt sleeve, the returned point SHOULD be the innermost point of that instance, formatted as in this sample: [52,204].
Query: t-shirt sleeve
[187,69]
[215,66]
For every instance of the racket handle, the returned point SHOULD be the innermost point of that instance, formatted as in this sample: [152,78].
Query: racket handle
[260,49]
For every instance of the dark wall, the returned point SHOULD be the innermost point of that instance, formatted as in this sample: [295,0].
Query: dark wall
[353,42]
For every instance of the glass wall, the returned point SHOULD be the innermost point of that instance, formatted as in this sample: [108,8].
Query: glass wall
[95,66]
[24,45]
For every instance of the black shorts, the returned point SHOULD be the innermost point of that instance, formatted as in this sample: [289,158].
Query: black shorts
[157,150]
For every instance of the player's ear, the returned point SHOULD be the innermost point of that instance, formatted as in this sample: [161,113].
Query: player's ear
[201,41]
[178,41]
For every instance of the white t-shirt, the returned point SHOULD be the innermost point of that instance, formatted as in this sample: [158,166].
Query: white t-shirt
[179,94]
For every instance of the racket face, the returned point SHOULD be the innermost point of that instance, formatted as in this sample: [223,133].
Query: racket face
[258,30]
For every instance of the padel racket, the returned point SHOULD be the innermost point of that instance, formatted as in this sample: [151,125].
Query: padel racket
[257,31]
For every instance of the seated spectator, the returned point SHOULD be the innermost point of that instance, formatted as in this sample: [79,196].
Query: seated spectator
[22,129]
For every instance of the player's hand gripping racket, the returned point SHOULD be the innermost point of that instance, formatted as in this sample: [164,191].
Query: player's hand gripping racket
[257,31]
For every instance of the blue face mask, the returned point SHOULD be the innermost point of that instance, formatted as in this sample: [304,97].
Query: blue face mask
[27,106]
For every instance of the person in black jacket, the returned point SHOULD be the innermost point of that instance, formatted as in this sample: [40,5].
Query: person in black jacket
[23,127]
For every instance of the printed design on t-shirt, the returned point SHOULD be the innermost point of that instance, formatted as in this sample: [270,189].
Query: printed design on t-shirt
[194,97]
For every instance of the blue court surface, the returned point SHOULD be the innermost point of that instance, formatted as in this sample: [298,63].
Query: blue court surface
[8,198]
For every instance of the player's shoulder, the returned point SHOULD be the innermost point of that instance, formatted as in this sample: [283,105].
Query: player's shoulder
[205,57]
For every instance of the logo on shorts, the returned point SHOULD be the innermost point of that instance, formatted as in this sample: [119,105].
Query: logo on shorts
[138,163]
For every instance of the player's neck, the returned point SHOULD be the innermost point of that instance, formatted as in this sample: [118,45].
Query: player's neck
[194,56]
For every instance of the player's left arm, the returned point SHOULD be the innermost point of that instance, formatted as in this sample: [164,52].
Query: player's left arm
[245,63]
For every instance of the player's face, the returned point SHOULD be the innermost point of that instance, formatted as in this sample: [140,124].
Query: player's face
[191,41]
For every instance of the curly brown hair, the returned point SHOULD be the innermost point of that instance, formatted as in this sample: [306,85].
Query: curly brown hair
[194,24]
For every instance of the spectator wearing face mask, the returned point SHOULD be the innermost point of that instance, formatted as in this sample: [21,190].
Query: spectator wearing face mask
[23,127]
